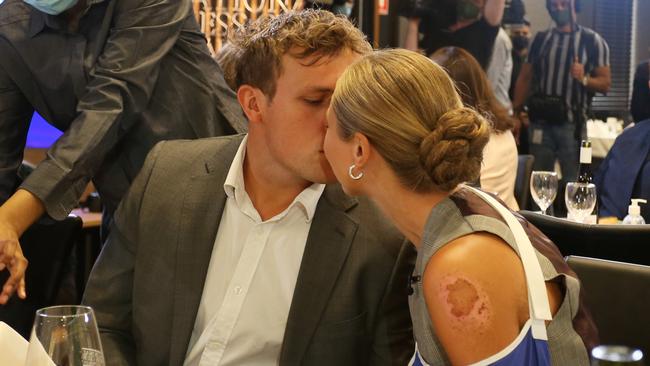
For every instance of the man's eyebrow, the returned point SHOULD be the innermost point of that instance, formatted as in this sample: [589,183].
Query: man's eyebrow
[317,89]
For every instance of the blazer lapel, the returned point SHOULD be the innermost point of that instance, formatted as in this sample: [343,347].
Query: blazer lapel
[330,237]
[203,206]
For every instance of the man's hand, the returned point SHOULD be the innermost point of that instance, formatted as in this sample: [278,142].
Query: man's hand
[19,212]
[12,259]
[577,70]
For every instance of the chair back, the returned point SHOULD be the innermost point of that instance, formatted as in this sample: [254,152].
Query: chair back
[522,182]
[47,245]
[618,296]
[624,243]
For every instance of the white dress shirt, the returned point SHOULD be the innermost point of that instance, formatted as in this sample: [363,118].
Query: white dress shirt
[251,277]
[499,71]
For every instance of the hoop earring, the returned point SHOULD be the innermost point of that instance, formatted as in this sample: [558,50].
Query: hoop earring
[355,177]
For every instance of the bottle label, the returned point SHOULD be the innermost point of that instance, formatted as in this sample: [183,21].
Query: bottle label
[585,155]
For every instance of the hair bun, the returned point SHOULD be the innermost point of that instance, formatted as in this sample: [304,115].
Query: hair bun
[453,151]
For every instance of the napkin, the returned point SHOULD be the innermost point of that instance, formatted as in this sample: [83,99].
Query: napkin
[13,347]
[15,350]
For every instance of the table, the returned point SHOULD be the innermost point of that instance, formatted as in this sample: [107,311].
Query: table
[602,135]
[90,219]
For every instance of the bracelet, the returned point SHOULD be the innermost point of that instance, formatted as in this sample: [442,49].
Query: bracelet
[585,80]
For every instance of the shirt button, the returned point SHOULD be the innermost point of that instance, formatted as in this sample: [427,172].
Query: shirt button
[237,290]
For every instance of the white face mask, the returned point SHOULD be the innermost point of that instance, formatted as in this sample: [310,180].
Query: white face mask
[52,7]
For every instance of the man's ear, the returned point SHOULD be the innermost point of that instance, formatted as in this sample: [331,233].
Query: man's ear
[361,151]
[251,100]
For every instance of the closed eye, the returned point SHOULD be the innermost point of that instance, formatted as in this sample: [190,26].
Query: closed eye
[314,101]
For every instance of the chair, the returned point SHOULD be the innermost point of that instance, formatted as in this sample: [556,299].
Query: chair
[624,243]
[617,295]
[47,245]
[522,182]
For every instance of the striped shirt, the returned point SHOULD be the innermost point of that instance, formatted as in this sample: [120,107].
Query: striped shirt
[552,54]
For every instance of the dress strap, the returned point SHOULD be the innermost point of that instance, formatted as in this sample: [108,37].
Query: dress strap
[537,298]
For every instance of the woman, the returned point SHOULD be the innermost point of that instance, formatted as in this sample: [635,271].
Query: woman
[500,157]
[408,143]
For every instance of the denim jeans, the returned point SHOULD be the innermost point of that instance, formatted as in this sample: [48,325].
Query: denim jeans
[548,142]
[556,141]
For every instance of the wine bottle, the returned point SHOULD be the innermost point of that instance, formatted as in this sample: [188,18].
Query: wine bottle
[586,176]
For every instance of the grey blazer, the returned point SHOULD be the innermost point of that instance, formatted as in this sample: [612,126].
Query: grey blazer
[350,303]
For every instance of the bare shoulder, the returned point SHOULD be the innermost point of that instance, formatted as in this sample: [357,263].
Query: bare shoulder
[475,291]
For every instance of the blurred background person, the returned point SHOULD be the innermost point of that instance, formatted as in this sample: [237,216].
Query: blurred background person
[499,167]
[499,71]
[520,37]
[566,64]
[469,24]
[625,173]
[117,77]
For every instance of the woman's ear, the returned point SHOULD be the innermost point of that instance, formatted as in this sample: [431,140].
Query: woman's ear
[361,149]
[251,100]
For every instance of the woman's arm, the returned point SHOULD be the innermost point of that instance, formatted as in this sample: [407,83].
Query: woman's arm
[475,289]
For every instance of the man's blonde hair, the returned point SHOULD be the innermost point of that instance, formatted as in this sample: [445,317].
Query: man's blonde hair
[300,34]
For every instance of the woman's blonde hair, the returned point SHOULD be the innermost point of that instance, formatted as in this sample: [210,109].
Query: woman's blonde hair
[412,114]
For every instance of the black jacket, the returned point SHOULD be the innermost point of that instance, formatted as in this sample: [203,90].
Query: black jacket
[133,73]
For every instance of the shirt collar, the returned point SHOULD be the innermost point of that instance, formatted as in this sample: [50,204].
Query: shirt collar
[306,201]
[39,20]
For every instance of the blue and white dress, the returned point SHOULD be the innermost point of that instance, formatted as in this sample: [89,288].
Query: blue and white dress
[470,210]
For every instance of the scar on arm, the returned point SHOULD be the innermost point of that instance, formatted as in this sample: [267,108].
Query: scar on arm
[465,303]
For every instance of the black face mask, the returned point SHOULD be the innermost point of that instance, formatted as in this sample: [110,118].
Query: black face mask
[520,42]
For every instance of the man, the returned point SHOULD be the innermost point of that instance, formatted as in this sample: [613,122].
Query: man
[565,66]
[469,24]
[520,37]
[117,76]
[232,251]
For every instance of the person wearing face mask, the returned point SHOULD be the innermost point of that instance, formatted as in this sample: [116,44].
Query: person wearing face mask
[469,24]
[116,76]
[520,38]
[566,65]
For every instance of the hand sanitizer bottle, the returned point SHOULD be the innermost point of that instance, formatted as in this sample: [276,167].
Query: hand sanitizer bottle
[634,213]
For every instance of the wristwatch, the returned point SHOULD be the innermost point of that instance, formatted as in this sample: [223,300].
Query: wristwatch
[585,80]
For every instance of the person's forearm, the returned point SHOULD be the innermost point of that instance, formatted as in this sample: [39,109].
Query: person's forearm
[411,40]
[21,210]
[599,84]
[493,11]
[521,91]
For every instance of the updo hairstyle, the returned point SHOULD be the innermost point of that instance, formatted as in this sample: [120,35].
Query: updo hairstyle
[409,109]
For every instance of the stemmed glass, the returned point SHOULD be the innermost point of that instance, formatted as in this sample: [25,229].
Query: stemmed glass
[543,188]
[580,199]
[65,336]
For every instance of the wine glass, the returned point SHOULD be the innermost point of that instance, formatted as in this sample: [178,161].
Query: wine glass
[543,188]
[580,199]
[65,336]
